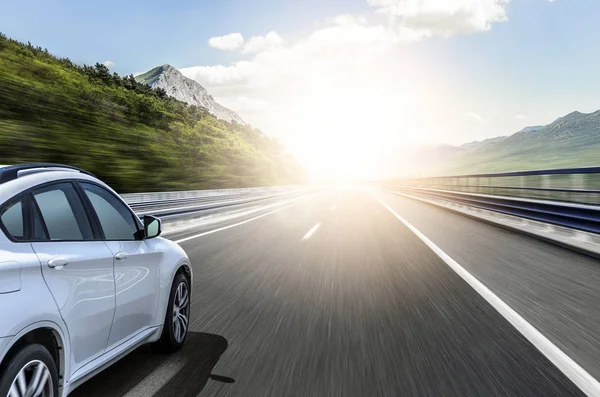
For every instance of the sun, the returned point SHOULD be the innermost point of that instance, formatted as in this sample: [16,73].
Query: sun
[341,138]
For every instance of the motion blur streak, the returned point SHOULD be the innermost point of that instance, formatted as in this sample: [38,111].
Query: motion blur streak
[569,367]
[230,226]
[366,308]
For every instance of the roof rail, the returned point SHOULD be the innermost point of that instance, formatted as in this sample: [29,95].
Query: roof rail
[11,172]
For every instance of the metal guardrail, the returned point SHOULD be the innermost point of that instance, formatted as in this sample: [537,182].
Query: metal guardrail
[576,185]
[574,216]
[563,197]
[174,205]
[153,197]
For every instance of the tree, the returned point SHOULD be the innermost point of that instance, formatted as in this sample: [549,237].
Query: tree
[103,73]
[160,93]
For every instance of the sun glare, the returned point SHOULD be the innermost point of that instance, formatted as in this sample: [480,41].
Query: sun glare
[342,137]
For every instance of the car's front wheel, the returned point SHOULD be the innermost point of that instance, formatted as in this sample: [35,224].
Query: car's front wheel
[31,371]
[176,323]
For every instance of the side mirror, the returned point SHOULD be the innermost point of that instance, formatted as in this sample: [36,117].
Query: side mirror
[151,226]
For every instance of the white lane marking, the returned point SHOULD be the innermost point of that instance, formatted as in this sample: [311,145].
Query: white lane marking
[157,379]
[235,224]
[311,232]
[564,363]
[334,207]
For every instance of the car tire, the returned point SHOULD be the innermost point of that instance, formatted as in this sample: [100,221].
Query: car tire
[30,360]
[176,324]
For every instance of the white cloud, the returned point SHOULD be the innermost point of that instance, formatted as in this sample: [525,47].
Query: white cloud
[443,17]
[229,42]
[346,42]
[475,117]
[262,43]
[342,46]
[520,116]
[344,20]
[108,64]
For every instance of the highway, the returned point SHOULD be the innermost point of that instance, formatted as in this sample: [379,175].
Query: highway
[333,295]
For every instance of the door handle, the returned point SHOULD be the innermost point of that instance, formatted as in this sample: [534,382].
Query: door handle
[57,263]
[121,255]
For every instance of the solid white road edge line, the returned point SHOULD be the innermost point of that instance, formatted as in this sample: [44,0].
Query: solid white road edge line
[311,231]
[564,363]
[236,224]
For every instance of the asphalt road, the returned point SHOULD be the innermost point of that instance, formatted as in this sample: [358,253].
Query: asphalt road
[362,307]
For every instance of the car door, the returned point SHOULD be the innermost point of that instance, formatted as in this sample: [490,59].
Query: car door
[77,267]
[136,264]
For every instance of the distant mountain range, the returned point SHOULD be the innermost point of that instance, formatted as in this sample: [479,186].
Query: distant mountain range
[186,90]
[570,141]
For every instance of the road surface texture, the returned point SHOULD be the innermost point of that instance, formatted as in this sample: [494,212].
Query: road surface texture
[334,296]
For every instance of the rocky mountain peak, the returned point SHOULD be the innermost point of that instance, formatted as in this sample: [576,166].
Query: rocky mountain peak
[186,90]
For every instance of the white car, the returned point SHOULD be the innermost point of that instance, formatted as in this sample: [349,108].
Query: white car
[83,281]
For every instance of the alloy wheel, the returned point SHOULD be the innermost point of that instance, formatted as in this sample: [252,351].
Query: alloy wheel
[33,380]
[181,312]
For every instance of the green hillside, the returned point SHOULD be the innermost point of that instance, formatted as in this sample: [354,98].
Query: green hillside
[133,137]
[570,141]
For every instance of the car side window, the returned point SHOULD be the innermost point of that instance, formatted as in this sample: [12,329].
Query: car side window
[115,218]
[12,219]
[60,213]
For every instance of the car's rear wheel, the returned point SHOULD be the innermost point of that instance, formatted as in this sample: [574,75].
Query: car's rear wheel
[177,320]
[30,372]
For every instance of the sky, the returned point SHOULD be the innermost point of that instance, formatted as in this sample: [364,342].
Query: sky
[339,82]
